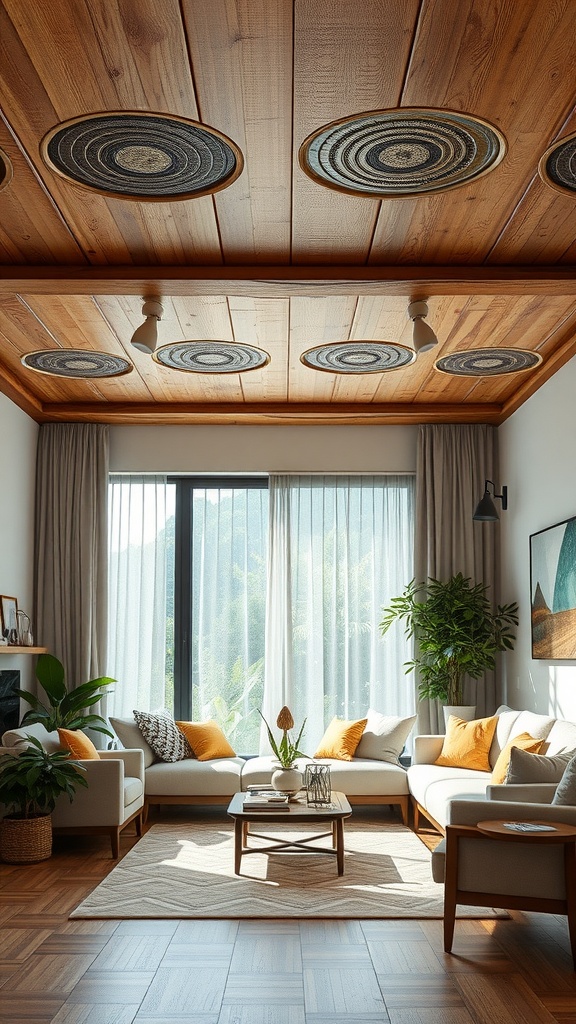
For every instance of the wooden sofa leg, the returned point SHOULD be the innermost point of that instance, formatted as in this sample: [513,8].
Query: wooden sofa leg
[416,813]
[115,841]
[450,888]
[139,820]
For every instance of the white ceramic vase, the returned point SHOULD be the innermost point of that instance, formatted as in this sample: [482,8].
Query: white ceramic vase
[287,781]
[467,712]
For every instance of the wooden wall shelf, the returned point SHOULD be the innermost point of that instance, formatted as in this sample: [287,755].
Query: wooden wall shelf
[14,649]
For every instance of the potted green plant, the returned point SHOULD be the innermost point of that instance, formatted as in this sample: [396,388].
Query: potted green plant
[287,778]
[457,633]
[30,783]
[66,709]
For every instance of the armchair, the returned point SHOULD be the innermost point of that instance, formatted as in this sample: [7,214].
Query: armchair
[113,799]
[481,870]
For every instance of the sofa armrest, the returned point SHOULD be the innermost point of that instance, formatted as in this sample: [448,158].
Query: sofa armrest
[470,812]
[133,761]
[533,793]
[427,749]
[102,803]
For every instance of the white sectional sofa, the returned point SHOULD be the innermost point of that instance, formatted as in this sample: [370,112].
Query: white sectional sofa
[432,787]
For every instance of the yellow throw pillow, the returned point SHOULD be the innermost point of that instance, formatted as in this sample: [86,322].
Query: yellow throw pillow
[526,742]
[79,745]
[467,744]
[341,739]
[206,739]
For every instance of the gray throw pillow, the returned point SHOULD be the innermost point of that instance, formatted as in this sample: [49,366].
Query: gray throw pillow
[384,737]
[525,768]
[566,789]
[163,735]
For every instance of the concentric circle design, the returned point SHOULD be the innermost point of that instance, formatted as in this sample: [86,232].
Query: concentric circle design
[76,363]
[211,357]
[6,170]
[138,155]
[358,357]
[402,152]
[558,166]
[488,362]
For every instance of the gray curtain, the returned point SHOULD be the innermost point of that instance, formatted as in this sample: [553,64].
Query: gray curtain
[453,461]
[71,547]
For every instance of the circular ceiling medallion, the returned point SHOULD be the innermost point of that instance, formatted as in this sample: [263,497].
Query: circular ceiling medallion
[211,357]
[138,155]
[401,153]
[358,357]
[76,363]
[5,170]
[488,362]
[558,166]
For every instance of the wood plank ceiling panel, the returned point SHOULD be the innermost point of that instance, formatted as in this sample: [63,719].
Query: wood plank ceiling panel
[132,56]
[264,323]
[502,63]
[318,321]
[242,58]
[345,63]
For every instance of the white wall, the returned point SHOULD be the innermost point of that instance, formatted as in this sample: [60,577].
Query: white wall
[538,463]
[265,449]
[17,472]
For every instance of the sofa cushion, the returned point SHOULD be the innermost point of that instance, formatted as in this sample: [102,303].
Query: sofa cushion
[561,738]
[511,723]
[132,739]
[161,732]
[432,786]
[384,737]
[132,790]
[341,739]
[526,769]
[467,744]
[194,778]
[19,737]
[357,777]
[206,740]
[524,742]
[566,789]
[79,745]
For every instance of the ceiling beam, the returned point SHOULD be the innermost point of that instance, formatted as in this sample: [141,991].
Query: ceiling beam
[284,281]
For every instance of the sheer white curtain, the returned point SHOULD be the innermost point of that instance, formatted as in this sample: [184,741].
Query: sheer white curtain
[140,511]
[340,549]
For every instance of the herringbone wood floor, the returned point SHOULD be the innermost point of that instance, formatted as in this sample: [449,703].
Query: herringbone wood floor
[262,972]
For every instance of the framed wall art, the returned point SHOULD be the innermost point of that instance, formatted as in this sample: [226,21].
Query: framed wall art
[9,618]
[553,591]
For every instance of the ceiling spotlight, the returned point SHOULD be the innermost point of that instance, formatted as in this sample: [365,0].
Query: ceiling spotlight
[486,509]
[146,336]
[423,337]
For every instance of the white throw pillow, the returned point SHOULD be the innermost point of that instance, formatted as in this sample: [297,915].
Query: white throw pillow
[525,768]
[384,737]
[566,789]
[131,738]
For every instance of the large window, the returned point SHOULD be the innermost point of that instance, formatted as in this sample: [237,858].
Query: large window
[272,593]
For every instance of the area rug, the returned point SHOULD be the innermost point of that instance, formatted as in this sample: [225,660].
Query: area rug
[187,871]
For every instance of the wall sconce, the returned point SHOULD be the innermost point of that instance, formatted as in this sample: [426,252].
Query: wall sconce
[423,337]
[145,337]
[486,509]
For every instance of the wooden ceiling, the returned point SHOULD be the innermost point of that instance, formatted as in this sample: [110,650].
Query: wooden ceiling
[276,260]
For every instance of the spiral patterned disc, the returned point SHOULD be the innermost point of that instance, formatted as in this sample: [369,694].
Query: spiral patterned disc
[402,152]
[211,357]
[76,363]
[358,357]
[488,362]
[558,166]
[5,170]
[142,156]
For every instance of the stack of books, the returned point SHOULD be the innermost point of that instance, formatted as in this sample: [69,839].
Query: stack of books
[265,800]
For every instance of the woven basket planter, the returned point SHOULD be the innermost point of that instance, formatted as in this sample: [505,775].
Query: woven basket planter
[26,840]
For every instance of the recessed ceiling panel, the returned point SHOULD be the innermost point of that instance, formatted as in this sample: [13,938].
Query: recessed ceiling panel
[76,363]
[5,170]
[358,357]
[488,362]
[144,156]
[211,357]
[401,153]
[558,166]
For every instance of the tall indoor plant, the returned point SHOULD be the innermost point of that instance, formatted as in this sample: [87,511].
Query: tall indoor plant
[456,630]
[30,783]
[66,708]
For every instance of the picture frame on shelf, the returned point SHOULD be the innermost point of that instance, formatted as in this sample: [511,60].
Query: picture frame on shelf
[553,592]
[9,618]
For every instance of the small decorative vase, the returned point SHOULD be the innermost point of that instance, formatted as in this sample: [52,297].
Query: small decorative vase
[467,712]
[287,781]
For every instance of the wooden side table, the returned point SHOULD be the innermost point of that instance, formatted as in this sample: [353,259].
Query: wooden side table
[564,835]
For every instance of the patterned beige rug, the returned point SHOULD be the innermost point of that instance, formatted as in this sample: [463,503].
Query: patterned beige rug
[186,871]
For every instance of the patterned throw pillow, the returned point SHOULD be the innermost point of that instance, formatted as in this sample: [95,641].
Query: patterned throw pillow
[163,735]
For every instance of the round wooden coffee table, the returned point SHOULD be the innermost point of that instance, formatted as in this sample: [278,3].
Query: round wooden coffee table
[554,831]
